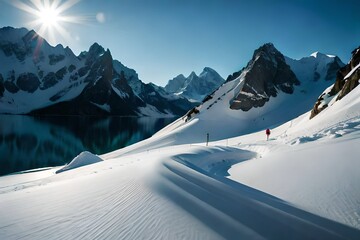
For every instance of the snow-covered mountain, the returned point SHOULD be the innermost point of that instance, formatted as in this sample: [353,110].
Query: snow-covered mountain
[194,87]
[347,79]
[300,184]
[38,78]
[270,90]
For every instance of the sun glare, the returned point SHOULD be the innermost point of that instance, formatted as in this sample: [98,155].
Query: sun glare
[49,17]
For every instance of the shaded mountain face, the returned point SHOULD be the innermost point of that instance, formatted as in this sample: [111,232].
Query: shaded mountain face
[195,88]
[265,75]
[153,95]
[347,78]
[40,79]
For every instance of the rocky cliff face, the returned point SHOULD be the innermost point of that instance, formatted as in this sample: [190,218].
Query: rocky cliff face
[347,79]
[265,75]
[40,79]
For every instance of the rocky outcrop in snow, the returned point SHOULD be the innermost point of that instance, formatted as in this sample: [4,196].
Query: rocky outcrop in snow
[347,79]
[265,75]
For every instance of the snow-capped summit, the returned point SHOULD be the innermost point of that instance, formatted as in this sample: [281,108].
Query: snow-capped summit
[38,78]
[321,55]
[316,67]
[195,88]
[346,80]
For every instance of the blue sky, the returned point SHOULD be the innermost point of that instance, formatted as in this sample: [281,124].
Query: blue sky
[163,38]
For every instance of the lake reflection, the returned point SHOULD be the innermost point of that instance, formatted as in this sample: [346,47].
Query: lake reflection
[28,142]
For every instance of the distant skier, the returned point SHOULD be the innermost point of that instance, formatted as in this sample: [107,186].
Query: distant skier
[267,134]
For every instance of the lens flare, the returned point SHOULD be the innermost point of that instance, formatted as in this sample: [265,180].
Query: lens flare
[49,17]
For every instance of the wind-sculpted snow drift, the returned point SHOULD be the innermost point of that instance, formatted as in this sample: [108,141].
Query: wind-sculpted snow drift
[83,159]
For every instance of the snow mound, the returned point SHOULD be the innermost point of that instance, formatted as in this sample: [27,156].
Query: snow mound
[83,159]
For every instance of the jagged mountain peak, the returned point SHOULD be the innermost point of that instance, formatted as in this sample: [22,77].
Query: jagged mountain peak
[10,34]
[194,87]
[192,75]
[321,55]
[61,83]
[266,48]
[267,52]
[265,75]
[180,76]
[208,70]
[96,49]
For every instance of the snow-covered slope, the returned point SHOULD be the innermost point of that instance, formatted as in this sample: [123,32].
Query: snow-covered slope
[301,184]
[195,88]
[271,103]
[36,77]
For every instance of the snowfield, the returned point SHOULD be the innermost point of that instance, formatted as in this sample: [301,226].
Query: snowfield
[301,184]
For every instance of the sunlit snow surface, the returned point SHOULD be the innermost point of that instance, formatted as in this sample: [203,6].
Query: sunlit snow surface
[301,184]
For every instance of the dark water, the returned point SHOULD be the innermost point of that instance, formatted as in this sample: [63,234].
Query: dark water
[28,142]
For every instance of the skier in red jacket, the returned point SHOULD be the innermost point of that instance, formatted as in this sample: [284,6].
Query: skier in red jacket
[267,134]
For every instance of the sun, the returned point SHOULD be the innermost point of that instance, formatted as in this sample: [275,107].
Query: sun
[49,17]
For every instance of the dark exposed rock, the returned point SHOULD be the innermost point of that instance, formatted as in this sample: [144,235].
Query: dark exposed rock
[191,113]
[60,73]
[267,73]
[28,82]
[16,49]
[74,77]
[94,53]
[60,94]
[11,87]
[234,75]
[71,68]
[7,48]
[48,81]
[54,59]
[83,71]
[120,83]
[351,83]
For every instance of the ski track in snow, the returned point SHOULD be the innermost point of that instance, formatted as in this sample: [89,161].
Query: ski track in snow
[229,208]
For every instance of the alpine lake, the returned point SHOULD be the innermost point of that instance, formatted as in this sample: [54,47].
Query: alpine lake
[33,142]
